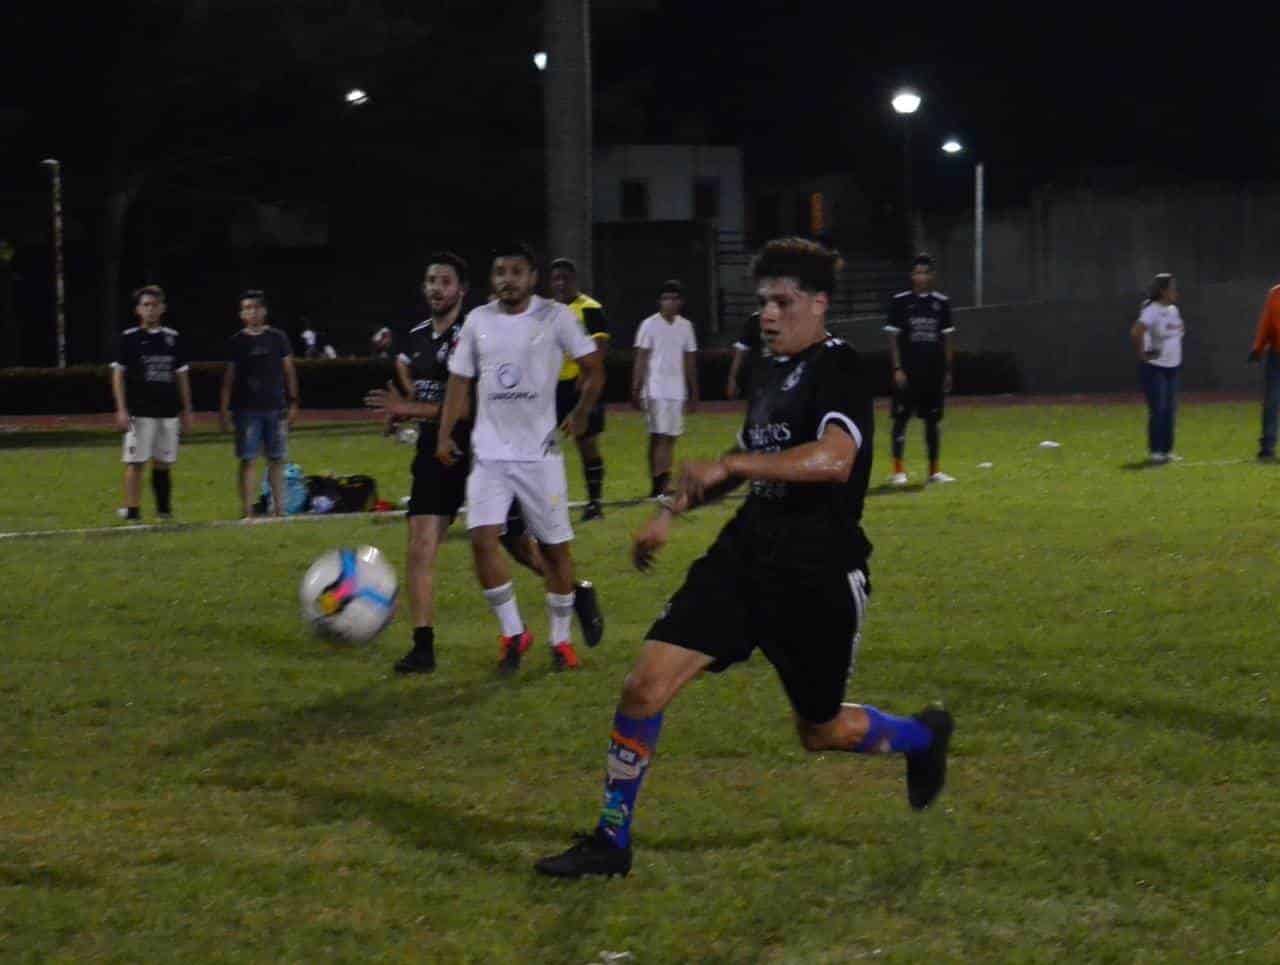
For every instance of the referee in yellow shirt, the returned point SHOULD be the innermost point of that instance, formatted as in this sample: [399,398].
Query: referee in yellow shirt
[564,289]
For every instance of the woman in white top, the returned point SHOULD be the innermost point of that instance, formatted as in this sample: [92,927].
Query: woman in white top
[1157,337]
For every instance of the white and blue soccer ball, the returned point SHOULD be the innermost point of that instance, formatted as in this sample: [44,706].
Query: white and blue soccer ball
[349,594]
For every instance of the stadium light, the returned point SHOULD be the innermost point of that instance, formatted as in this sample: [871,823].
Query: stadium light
[355,97]
[952,146]
[540,60]
[906,102]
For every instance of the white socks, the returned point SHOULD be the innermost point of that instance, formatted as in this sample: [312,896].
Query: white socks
[560,610]
[502,601]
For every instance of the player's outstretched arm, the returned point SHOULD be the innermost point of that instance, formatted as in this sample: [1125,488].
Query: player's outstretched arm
[457,398]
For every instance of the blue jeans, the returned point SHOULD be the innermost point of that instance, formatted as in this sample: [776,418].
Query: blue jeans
[1270,403]
[1161,386]
[256,431]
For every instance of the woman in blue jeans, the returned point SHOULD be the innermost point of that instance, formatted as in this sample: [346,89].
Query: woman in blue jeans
[1157,337]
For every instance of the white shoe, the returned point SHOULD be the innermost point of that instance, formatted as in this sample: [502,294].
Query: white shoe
[1158,458]
[898,479]
[941,477]
[1172,457]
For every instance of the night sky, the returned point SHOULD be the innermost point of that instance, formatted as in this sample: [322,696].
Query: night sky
[248,108]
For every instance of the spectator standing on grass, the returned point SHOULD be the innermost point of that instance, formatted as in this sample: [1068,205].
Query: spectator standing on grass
[260,389]
[664,379]
[1266,349]
[1157,338]
[153,398]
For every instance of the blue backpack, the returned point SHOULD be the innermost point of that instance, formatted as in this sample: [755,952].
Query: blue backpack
[295,492]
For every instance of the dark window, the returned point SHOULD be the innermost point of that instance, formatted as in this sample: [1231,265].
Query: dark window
[706,199]
[768,225]
[635,200]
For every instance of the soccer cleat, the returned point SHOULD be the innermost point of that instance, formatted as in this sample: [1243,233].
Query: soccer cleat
[165,517]
[1172,457]
[564,657]
[927,769]
[593,510]
[513,648]
[898,479]
[418,660]
[590,854]
[1158,458]
[587,606]
[941,477]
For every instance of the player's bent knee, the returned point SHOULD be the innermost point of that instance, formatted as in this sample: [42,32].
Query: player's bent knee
[645,694]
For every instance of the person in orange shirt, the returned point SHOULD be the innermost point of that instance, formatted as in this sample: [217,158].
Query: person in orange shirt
[1266,349]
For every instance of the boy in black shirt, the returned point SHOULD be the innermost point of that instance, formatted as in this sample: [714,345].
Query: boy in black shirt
[921,351]
[787,575]
[153,397]
[260,386]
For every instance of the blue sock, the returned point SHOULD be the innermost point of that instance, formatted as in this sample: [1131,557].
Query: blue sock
[631,747]
[889,734]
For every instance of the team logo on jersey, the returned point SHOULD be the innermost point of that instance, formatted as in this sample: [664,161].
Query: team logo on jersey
[793,379]
[508,375]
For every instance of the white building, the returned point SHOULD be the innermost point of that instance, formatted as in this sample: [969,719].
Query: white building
[670,182]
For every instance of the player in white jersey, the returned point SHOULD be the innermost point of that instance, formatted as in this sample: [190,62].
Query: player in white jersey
[511,351]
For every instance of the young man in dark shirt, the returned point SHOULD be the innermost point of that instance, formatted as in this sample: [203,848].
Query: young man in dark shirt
[260,387]
[787,575]
[153,399]
[921,352]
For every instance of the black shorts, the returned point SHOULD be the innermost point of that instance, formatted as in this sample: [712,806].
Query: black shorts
[926,400]
[805,622]
[438,490]
[567,397]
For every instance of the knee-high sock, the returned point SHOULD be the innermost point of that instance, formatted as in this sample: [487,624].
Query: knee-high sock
[932,439]
[502,601]
[560,612]
[893,735]
[162,486]
[631,747]
[593,472]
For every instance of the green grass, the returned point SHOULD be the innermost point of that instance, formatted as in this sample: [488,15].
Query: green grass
[185,775]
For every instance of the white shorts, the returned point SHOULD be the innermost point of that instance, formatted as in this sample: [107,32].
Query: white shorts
[540,488]
[665,416]
[151,438]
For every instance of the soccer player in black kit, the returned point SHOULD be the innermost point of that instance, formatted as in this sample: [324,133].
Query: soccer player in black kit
[439,490]
[921,351]
[787,575]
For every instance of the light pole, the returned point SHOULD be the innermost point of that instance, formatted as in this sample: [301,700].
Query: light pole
[59,284]
[906,103]
[952,146]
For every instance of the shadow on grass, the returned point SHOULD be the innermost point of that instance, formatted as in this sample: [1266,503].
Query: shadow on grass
[43,876]
[1139,464]
[1175,714]
[364,712]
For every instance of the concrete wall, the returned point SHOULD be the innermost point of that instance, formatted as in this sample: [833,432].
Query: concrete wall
[670,171]
[1088,245]
[1082,345]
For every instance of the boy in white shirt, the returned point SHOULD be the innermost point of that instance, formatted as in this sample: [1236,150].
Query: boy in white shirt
[510,351]
[664,379]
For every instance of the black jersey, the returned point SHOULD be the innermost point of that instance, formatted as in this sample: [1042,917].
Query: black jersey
[920,322]
[151,360]
[793,400]
[258,384]
[426,352]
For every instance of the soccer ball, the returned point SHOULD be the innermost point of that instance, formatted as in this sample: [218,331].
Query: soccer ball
[349,594]
[407,435]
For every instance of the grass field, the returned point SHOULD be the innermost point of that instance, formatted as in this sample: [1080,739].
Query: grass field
[185,775]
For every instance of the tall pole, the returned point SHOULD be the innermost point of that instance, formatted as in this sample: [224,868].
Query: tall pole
[567,125]
[979,216]
[906,185]
[59,283]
